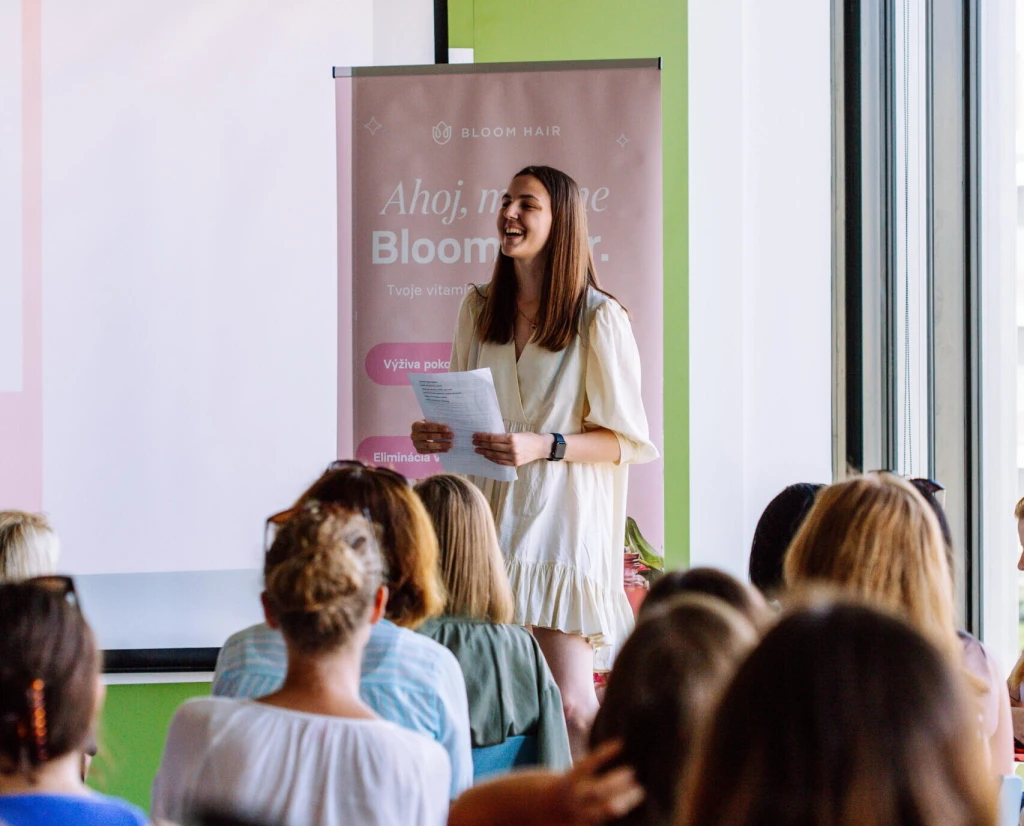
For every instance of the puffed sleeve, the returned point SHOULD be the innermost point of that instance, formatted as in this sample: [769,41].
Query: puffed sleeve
[465,332]
[613,384]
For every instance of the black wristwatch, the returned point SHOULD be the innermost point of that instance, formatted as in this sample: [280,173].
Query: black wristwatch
[557,448]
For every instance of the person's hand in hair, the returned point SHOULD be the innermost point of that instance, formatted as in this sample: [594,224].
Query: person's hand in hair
[585,795]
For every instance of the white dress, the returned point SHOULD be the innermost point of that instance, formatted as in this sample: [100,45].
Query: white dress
[561,525]
[295,769]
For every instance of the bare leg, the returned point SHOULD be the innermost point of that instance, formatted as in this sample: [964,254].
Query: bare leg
[571,660]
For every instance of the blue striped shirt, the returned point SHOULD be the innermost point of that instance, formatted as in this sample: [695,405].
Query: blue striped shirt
[407,678]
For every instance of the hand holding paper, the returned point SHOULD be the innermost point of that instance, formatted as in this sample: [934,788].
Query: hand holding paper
[467,403]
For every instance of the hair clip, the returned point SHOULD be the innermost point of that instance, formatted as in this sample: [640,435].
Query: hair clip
[37,709]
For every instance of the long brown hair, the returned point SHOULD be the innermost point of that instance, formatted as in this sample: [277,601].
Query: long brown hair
[471,562]
[44,642]
[407,541]
[665,682]
[842,716]
[568,272]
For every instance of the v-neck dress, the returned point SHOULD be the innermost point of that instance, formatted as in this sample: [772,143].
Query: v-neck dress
[561,525]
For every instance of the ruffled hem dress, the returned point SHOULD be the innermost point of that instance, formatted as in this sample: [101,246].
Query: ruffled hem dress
[561,525]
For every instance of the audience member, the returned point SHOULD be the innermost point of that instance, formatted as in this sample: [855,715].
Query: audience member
[775,530]
[591,793]
[313,751]
[50,698]
[826,724]
[748,601]
[876,536]
[665,683]
[28,546]
[509,685]
[406,678]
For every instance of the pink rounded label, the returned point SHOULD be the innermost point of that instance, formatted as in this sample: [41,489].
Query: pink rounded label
[397,453]
[388,363]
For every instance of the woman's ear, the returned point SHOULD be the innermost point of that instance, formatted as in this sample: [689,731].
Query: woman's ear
[380,604]
[268,611]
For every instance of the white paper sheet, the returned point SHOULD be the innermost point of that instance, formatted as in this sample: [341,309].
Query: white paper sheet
[467,403]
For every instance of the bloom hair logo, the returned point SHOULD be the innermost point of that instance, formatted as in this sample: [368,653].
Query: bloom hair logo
[442,133]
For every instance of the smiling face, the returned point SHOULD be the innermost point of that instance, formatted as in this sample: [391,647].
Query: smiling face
[524,220]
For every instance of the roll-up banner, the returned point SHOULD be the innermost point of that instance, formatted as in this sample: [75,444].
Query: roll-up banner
[424,156]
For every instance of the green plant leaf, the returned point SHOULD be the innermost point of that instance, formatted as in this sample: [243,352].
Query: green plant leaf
[636,544]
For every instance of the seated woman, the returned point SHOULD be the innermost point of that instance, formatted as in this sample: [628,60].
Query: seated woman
[712,582]
[509,685]
[875,536]
[776,527]
[406,677]
[312,751]
[50,699]
[826,723]
[666,680]
[28,546]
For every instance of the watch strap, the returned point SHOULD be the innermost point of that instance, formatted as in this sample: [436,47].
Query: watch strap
[557,448]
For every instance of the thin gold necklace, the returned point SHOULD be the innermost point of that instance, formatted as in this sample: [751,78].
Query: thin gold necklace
[531,321]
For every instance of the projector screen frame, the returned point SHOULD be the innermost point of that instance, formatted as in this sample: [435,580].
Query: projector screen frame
[159,660]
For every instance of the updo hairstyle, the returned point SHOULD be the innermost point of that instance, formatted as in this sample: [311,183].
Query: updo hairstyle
[28,546]
[406,537]
[49,669]
[322,575]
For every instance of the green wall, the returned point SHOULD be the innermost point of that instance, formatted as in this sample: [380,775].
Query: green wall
[603,29]
[132,735]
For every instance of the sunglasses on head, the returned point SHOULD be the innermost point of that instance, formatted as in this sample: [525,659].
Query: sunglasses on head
[275,521]
[62,586]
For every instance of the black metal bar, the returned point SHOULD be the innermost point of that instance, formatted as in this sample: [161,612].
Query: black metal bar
[854,237]
[159,660]
[440,31]
[972,321]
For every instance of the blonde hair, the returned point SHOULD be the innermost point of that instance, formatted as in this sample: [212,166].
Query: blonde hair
[472,566]
[322,576]
[876,536]
[1018,510]
[28,546]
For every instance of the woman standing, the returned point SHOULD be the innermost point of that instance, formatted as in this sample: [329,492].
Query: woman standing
[567,374]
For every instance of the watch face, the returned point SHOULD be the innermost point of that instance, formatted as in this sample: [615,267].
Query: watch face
[558,449]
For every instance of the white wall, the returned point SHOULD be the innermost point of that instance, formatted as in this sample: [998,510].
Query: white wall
[999,328]
[760,264]
[403,32]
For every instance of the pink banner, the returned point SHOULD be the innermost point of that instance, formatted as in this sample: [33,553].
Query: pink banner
[431,154]
[21,411]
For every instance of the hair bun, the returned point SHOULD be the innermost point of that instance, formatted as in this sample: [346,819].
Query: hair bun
[326,577]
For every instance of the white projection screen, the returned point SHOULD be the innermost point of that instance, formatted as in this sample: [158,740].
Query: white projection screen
[168,296]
